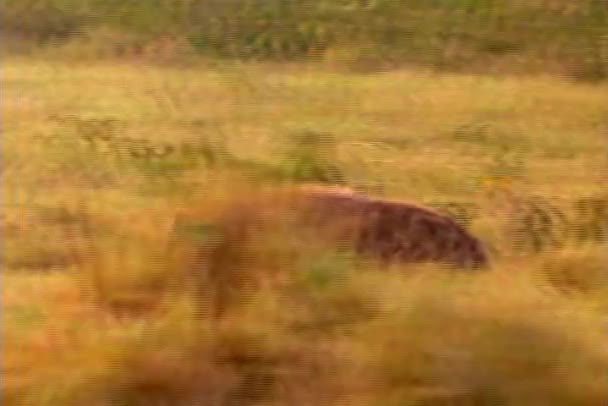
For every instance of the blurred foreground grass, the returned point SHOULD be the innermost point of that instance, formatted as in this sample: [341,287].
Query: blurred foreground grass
[98,309]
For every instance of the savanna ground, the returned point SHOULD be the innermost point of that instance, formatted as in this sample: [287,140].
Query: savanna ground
[99,155]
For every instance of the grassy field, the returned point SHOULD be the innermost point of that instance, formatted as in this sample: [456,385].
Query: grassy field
[467,36]
[99,156]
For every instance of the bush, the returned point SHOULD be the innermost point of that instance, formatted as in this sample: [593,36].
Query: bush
[364,35]
[45,20]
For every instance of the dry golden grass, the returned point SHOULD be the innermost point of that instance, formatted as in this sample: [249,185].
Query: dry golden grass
[99,309]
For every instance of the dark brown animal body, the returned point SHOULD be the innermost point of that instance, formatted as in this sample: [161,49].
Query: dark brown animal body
[388,230]
[396,231]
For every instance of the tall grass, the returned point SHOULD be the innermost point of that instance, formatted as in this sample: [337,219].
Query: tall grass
[107,299]
[263,315]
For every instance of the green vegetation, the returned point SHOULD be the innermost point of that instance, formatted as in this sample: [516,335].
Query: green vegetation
[557,36]
[141,143]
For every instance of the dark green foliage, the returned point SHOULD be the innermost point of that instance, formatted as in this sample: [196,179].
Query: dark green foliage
[453,35]
[105,136]
[262,29]
[45,20]
[311,156]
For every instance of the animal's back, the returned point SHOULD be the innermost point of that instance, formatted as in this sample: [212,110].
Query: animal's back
[389,230]
[400,231]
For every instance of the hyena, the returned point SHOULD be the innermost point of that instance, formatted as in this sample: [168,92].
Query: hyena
[230,251]
[395,231]
[391,231]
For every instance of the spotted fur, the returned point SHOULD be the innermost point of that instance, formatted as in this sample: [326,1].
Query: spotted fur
[397,231]
[391,231]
